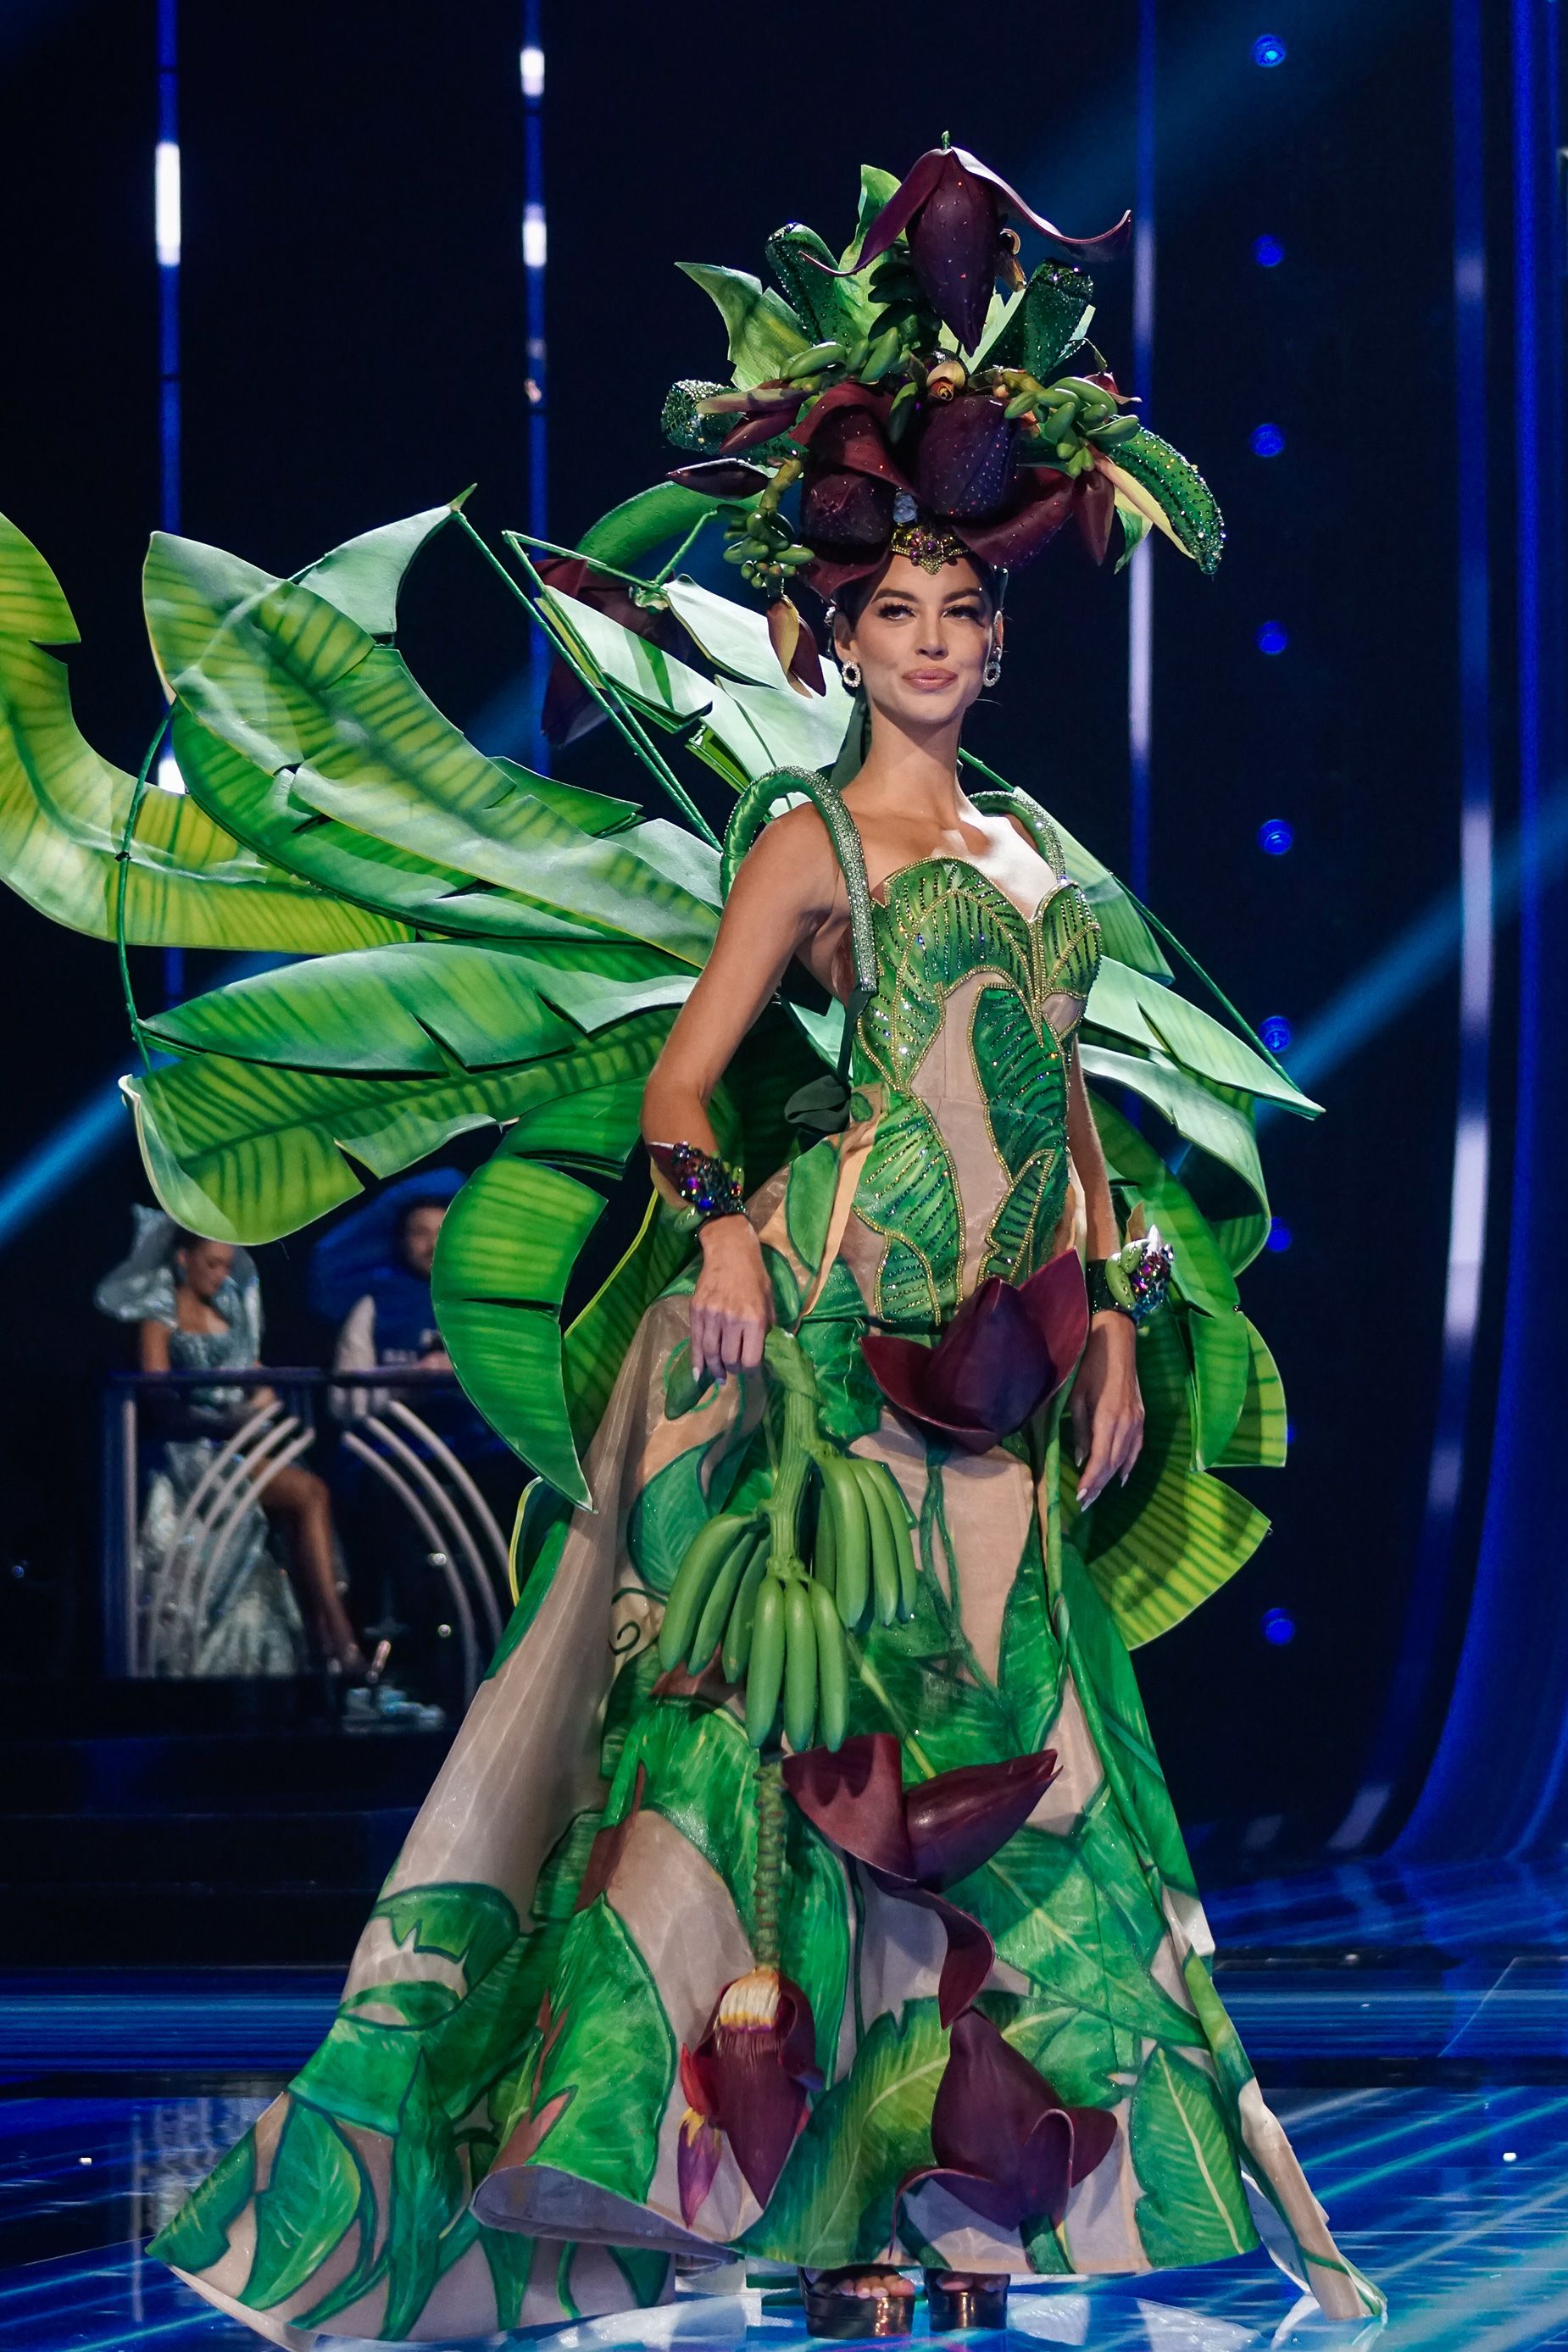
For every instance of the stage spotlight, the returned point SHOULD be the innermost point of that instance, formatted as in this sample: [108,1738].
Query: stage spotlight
[1273,638]
[1275,835]
[1269,50]
[168,774]
[1268,253]
[1266,440]
[533,237]
[533,73]
[1277,1627]
[166,203]
[1276,1033]
[1279,1234]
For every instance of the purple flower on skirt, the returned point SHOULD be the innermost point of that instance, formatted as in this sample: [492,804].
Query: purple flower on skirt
[1006,2143]
[747,2082]
[1009,1347]
[916,1841]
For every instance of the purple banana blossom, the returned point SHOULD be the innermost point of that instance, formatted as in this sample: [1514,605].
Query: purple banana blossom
[916,1841]
[569,710]
[950,207]
[1006,2143]
[1009,1347]
[965,458]
[747,2079]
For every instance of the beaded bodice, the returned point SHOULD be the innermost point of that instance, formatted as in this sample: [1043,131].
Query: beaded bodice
[964,1047]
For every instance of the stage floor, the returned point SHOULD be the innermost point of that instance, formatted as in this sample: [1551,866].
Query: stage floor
[1410,2029]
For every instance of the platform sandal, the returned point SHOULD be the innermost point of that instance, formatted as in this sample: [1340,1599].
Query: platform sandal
[977,2299]
[832,2311]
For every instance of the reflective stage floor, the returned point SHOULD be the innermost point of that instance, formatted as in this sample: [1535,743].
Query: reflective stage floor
[1410,2027]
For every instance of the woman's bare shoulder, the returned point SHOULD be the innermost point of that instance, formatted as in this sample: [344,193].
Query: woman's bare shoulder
[795,854]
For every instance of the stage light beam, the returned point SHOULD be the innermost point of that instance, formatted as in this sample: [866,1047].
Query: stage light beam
[166,203]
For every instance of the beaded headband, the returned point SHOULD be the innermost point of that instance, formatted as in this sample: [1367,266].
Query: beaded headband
[927,544]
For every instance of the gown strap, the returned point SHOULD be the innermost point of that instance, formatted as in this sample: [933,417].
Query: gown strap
[1009,801]
[752,810]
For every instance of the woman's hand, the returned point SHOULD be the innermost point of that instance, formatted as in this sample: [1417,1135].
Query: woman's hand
[1107,1409]
[732,1305]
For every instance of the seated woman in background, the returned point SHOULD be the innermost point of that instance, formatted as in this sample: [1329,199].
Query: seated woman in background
[198,1304]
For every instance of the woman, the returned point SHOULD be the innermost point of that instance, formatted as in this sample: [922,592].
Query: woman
[196,1312]
[802,1886]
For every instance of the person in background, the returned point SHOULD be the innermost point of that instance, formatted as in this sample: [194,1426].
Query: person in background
[197,1306]
[395,1321]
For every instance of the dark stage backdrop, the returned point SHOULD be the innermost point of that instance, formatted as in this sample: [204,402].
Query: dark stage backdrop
[355,350]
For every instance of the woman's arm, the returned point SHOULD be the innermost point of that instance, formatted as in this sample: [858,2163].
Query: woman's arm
[1106,1407]
[152,1345]
[783,895]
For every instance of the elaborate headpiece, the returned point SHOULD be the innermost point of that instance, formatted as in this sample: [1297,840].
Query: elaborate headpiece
[912,408]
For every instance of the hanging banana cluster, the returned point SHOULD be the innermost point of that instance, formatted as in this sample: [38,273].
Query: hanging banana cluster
[1070,419]
[744,1590]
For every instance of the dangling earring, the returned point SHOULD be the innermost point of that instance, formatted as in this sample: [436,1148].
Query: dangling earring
[992,670]
[849,671]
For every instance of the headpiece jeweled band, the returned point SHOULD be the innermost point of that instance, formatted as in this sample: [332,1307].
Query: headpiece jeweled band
[927,544]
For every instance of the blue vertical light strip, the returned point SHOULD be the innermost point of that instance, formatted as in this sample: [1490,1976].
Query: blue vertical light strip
[1141,572]
[535,253]
[168,230]
[1425,1616]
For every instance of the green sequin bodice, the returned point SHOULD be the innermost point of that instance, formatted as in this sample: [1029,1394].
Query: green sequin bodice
[966,1048]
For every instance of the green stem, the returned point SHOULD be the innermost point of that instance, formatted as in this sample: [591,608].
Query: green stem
[121,887]
[626,725]
[665,569]
[578,555]
[768,1882]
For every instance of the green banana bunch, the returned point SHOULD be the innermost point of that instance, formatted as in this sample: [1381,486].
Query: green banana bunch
[708,1586]
[864,1550]
[799,1654]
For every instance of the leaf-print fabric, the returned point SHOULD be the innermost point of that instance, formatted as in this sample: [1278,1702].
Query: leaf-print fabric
[492,2135]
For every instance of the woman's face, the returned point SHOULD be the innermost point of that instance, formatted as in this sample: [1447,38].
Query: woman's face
[922,640]
[204,1267]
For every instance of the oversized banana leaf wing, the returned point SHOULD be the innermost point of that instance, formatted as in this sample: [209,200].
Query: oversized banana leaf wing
[65,812]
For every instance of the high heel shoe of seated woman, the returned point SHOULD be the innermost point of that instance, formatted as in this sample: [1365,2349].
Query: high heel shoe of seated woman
[861,2300]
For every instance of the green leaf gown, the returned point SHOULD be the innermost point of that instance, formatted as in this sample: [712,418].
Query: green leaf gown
[489,2135]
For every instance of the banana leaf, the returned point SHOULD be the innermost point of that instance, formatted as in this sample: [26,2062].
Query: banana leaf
[763,331]
[1172,1535]
[877,188]
[506,1252]
[1126,1005]
[334,720]
[63,809]
[598,1339]
[1226,1132]
[365,576]
[759,726]
[1202,1276]
[1261,1437]
[247,1153]
[631,531]
[426,1008]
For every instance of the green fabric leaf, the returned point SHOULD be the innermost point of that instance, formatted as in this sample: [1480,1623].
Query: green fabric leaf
[812,1189]
[611,2068]
[1194,2208]
[364,576]
[878,189]
[1202,1274]
[1160,1544]
[633,530]
[1128,1004]
[310,2201]
[510,2257]
[1074,2050]
[1225,1133]
[468,1922]
[506,1250]
[1029,1670]
[701,1775]
[424,1009]
[338,727]
[197,2237]
[763,331]
[429,2198]
[188,882]
[834,2200]
[247,1153]
[1221,1366]
[668,1511]
[595,813]
[597,1341]
[1049,1918]
[908,1191]
[1258,1439]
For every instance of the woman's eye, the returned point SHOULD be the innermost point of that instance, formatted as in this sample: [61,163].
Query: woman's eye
[894,611]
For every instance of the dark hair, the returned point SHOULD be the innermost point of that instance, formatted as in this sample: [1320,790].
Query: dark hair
[409,1210]
[856,595]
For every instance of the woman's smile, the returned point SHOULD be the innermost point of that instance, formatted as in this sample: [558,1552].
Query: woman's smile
[929,678]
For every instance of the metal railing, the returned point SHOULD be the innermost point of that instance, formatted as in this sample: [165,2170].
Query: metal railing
[228,1457]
